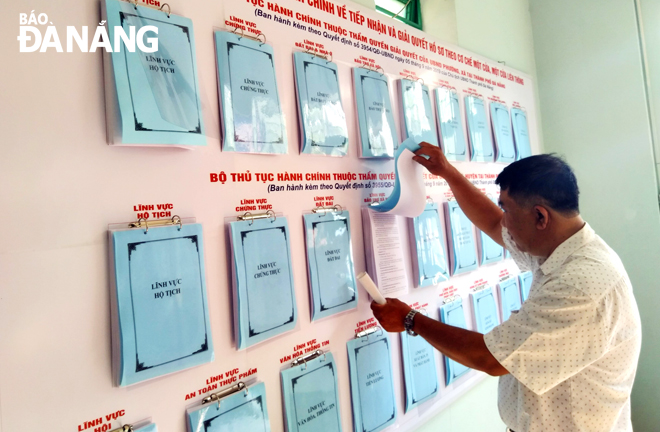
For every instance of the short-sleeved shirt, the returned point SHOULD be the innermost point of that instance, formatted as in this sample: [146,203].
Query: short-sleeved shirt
[573,346]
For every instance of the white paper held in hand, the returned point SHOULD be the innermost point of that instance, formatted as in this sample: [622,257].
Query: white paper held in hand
[370,286]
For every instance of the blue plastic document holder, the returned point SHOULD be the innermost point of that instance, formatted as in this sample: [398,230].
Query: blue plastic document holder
[392,200]
[452,314]
[311,396]
[452,135]
[322,117]
[265,295]
[485,310]
[525,280]
[501,123]
[375,117]
[490,250]
[252,119]
[161,308]
[245,410]
[461,235]
[330,262]
[372,389]
[420,374]
[480,137]
[430,266]
[509,297]
[157,94]
[521,132]
[418,119]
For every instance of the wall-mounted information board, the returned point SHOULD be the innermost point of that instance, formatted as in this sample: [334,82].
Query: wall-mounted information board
[310,113]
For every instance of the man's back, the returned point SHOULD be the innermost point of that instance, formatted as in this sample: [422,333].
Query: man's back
[572,349]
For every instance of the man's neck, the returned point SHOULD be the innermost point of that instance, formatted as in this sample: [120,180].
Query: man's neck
[566,230]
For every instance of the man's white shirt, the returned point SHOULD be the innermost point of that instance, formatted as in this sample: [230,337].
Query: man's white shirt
[573,347]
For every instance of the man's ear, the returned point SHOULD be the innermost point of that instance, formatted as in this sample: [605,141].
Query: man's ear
[542,216]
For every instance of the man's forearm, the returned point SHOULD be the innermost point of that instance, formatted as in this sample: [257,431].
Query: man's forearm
[464,346]
[483,213]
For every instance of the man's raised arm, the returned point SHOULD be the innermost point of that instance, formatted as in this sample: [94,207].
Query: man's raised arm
[483,213]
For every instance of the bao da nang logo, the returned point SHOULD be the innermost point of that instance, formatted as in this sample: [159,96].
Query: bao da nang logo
[32,39]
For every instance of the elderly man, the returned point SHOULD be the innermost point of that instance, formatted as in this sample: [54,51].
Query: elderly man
[567,359]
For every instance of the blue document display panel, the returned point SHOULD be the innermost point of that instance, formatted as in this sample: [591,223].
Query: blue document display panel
[156,95]
[453,314]
[162,323]
[430,265]
[416,111]
[265,304]
[489,250]
[501,123]
[509,297]
[452,135]
[330,263]
[375,117]
[244,411]
[460,237]
[322,118]
[252,120]
[372,390]
[521,132]
[311,397]
[479,135]
[525,280]
[485,310]
[419,371]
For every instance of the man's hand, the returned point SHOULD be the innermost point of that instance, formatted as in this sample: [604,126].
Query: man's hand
[391,314]
[436,163]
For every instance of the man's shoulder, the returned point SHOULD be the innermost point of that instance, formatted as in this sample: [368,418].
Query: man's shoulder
[594,269]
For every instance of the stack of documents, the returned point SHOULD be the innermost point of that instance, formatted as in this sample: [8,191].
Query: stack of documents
[416,112]
[251,114]
[330,263]
[378,137]
[311,397]
[427,238]
[509,297]
[525,280]
[159,307]
[420,374]
[521,132]
[452,135]
[501,124]
[372,389]
[322,121]
[485,310]
[460,239]
[243,410]
[383,252]
[264,296]
[452,314]
[479,134]
[152,98]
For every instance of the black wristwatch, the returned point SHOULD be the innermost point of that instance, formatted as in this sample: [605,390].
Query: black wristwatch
[408,322]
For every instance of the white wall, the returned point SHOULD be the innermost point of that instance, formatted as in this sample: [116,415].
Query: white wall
[594,112]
